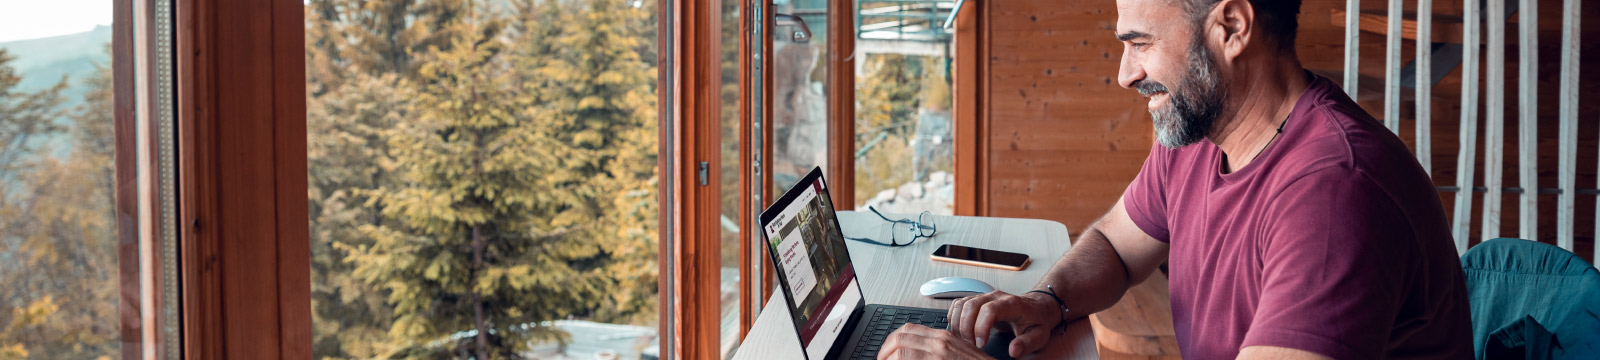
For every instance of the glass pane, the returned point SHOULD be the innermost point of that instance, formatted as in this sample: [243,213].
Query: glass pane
[729,200]
[904,148]
[59,263]
[483,178]
[799,90]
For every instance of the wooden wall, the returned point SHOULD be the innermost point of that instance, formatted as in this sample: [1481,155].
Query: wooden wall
[1064,139]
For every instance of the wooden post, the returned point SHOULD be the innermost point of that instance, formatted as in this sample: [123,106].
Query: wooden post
[1352,46]
[1568,166]
[1528,118]
[1494,131]
[1391,69]
[1469,126]
[1424,92]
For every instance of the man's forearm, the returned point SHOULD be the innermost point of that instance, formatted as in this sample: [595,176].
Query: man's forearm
[1092,277]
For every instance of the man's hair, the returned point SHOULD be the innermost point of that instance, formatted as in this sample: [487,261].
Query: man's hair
[1277,18]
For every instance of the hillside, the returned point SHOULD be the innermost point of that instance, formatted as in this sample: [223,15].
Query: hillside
[43,61]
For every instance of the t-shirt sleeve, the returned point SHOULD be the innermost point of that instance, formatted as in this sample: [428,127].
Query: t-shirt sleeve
[1146,197]
[1334,263]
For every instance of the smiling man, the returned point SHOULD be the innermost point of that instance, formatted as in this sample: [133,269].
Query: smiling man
[1295,225]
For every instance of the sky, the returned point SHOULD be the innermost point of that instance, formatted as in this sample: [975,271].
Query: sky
[32,19]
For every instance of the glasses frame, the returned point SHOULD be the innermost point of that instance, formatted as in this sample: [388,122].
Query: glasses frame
[916,229]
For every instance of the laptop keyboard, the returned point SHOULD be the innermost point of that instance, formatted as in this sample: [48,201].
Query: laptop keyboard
[887,320]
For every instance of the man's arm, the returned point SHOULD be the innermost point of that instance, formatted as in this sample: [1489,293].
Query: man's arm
[1112,255]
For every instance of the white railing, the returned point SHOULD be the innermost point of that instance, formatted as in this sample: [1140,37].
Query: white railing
[1494,20]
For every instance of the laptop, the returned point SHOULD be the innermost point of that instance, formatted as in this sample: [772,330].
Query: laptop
[820,286]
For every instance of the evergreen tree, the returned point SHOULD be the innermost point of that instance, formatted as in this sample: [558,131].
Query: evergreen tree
[348,108]
[480,239]
[600,95]
[508,180]
[348,154]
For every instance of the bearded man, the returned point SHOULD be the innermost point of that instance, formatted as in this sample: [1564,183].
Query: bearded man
[1295,225]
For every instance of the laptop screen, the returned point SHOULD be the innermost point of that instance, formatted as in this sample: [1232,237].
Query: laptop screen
[812,263]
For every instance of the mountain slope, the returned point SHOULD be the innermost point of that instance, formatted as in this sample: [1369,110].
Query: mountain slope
[43,61]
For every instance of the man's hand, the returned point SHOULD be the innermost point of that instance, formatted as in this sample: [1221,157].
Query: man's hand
[914,341]
[1031,318]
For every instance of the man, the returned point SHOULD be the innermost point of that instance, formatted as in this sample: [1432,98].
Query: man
[1298,227]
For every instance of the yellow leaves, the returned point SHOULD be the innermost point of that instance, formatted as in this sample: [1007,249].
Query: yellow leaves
[588,138]
[435,269]
[13,351]
[36,312]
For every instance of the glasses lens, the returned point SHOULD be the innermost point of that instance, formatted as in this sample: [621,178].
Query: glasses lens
[903,233]
[925,226]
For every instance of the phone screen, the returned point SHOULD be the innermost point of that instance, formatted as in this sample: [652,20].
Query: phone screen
[997,257]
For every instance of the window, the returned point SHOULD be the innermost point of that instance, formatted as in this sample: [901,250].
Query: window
[800,66]
[728,198]
[87,252]
[904,149]
[483,178]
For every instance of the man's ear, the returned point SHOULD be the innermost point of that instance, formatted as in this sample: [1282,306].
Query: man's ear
[1233,22]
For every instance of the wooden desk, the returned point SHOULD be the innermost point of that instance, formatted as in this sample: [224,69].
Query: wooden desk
[893,276]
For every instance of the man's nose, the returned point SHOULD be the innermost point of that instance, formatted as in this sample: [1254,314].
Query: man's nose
[1129,72]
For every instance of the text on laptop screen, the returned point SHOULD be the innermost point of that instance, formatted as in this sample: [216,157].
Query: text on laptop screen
[814,265]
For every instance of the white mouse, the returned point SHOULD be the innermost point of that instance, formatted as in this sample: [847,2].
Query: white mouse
[954,287]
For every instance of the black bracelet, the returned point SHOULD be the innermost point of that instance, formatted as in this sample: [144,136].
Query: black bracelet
[1060,303]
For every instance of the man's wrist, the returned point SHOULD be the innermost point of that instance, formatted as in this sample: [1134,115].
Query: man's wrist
[1049,298]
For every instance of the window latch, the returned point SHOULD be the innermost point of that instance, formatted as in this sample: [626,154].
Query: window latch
[705,172]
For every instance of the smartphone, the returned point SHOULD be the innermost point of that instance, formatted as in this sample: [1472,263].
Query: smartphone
[981,257]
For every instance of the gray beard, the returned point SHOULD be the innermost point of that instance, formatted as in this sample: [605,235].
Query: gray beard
[1194,105]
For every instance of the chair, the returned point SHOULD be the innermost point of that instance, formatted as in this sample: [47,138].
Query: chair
[1509,280]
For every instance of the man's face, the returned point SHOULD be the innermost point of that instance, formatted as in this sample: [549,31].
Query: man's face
[1161,47]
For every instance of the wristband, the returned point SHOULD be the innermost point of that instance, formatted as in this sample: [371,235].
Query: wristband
[1059,303]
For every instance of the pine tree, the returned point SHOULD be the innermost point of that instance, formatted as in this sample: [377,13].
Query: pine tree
[509,180]
[348,108]
[348,154]
[480,238]
[601,92]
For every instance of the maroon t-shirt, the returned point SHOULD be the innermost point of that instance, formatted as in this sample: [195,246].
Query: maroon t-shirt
[1333,241]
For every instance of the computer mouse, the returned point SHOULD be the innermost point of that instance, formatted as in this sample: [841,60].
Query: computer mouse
[954,287]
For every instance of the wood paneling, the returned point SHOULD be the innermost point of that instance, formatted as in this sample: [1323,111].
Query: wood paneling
[1062,138]
[242,158]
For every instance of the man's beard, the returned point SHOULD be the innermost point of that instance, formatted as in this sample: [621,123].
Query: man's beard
[1194,106]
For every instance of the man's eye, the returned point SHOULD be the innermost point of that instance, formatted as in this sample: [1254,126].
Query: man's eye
[1139,45]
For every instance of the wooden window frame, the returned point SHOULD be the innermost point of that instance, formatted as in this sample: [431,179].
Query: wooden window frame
[968,94]
[971,116]
[842,102]
[968,97]
[147,293]
[244,230]
[691,108]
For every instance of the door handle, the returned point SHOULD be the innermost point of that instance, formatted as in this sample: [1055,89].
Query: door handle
[801,35]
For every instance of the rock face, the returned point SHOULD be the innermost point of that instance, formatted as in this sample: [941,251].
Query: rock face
[936,195]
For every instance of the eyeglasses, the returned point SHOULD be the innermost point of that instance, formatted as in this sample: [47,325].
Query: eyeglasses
[905,230]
